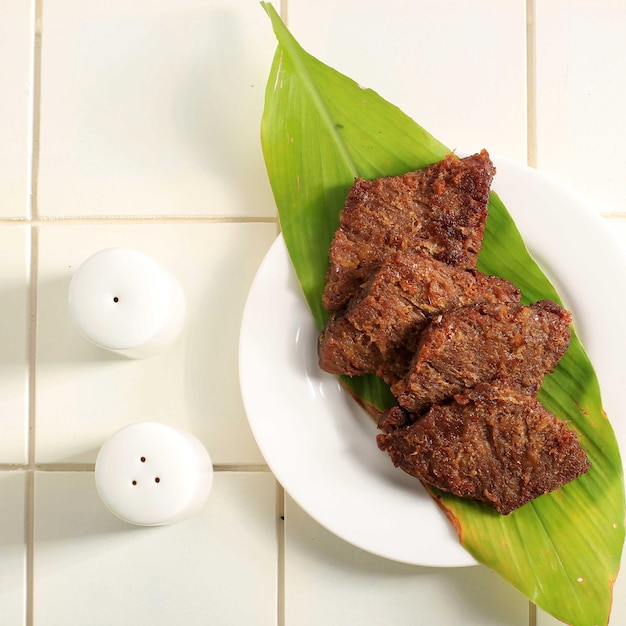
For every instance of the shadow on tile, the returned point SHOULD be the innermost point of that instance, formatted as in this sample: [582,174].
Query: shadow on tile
[68,508]
[211,378]
[14,325]
[481,590]
[58,339]
[12,498]
[75,459]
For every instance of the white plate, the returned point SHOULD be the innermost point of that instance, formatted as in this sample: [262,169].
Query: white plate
[321,446]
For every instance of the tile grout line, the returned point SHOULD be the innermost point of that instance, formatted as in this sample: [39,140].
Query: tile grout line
[280,574]
[30,467]
[29,509]
[616,216]
[160,219]
[234,468]
[35,111]
[30,474]
[531,79]
[135,219]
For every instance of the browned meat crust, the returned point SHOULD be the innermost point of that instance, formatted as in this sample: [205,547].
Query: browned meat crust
[379,331]
[395,418]
[494,443]
[439,211]
[478,343]
[463,357]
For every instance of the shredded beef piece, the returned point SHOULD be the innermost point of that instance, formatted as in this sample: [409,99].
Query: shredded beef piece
[394,419]
[494,443]
[464,358]
[379,331]
[479,343]
[439,211]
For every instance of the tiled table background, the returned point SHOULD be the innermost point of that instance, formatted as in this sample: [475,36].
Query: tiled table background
[137,124]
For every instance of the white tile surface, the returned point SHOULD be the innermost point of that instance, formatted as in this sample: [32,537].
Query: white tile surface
[581,96]
[153,108]
[12,548]
[217,567]
[17,35]
[457,68]
[14,316]
[87,393]
[327,581]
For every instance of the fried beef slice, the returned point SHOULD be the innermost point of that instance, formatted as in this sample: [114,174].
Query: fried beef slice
[395,418]
[379,331]
[495,443]
[479,343]
[439,211]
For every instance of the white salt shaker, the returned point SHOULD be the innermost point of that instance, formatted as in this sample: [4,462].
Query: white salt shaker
[124,301]
[151,474]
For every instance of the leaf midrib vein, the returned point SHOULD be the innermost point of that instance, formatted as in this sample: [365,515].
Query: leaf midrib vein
[296,53]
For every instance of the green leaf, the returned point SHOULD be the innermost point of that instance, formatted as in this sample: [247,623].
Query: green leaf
[320,130]
[316,141]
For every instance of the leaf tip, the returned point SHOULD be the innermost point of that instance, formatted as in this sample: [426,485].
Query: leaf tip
[268,7]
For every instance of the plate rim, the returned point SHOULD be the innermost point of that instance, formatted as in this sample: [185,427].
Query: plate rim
[509,168]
